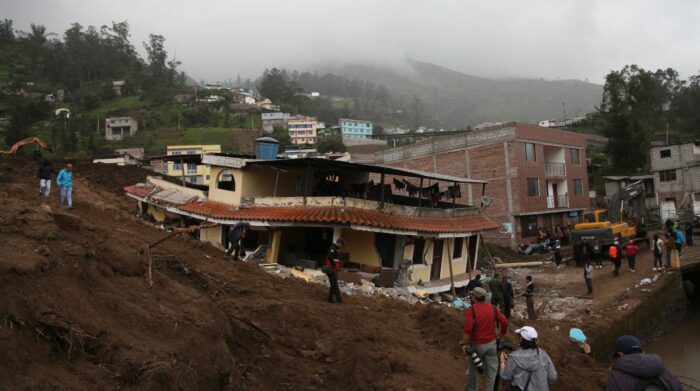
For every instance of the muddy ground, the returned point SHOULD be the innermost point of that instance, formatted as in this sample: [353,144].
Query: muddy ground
[76,311]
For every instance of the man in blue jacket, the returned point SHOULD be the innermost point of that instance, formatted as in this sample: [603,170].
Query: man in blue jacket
[64,180]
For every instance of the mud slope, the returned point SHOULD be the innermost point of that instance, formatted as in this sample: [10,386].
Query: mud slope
[76,311]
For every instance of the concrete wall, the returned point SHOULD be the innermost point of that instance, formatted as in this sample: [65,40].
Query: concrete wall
[684,159]
[225,196]
[360,245]
[211,235]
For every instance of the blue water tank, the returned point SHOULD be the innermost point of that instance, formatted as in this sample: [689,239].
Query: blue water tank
[266,148]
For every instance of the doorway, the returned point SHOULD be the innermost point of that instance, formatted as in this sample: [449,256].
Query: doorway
[436,267]
[554,195]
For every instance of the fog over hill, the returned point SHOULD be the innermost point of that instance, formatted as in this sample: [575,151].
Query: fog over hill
[456,99]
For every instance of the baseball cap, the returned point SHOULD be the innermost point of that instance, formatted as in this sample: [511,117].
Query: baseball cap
[479,292]
[527,333]
[627,344]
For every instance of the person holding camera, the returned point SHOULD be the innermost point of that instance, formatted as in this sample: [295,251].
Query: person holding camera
[528,368]
[479,340]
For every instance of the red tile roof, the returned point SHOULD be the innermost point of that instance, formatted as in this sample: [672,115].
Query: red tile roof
[139,191]
[338,215]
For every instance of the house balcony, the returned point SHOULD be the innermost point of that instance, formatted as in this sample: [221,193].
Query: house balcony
[554,169]
[560,201]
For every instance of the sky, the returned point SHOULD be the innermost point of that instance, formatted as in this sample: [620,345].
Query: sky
[566,39]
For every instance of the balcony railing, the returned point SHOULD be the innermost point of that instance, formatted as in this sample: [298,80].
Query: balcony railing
[560,201]
[554,169]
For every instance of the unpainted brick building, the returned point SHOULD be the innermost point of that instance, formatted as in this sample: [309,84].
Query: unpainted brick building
[537,176]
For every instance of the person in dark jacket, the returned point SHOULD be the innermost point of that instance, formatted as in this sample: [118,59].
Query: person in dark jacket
[530,298]
[235,235]
[508,296]
[497,291]
[332,268]
[635,370]
[474,283]
[44,175]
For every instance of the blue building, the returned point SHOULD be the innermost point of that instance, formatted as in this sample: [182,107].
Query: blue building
[353,128]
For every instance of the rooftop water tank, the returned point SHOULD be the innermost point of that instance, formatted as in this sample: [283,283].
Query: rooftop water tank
[266,148]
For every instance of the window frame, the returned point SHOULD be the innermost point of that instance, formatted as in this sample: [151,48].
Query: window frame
[525,223]
[418,250]
[537,181]
[457,248]
[576,161]
[661,153]
[578,190]
[534,152]
[665,175]
[218,180]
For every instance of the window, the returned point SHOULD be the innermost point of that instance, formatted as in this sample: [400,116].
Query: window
[176,153]
[533,187]
[530,152]
[667,175]
[528,226]
[578,187]
[457,250]
[575,158]
[191,167]
[177,166]
[664,153]
[418,250]
[225,181]
[191,152]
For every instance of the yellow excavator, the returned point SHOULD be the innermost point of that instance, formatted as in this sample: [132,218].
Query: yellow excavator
[30,140]
[625,218]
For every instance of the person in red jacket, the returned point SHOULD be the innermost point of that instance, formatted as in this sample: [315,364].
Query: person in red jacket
[480,338]
[632,255]
[332,268]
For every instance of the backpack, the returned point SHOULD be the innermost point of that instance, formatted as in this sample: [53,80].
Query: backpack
[679,237]
[612,252]
[653,384]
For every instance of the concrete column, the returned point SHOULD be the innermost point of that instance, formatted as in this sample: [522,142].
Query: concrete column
[274,251]
[509,191]
[336,233]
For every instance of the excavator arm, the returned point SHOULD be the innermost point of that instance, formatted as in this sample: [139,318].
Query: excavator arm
[29,140]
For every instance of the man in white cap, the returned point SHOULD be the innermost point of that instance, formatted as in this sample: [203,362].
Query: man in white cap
[529,367]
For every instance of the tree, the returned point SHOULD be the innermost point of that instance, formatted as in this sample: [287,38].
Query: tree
[7,33]
[331,144]
[635,104]
[282,135]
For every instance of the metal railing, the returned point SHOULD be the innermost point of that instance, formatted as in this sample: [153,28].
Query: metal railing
[560,201]
[554,169]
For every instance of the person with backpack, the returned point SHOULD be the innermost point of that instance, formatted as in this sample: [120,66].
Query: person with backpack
[528,368]
[632,255]
[331,268]
[680,239]
[634,370]
[479,340]
[659,245]
[615,255]
[64,180]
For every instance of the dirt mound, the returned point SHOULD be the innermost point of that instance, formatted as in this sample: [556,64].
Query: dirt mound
[76,311]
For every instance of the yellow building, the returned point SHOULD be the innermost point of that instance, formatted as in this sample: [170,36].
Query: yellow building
[298,207]
[302,130]
[194,173]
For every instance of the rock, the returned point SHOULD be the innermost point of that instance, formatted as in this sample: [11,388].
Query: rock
[317,380]
[43,250]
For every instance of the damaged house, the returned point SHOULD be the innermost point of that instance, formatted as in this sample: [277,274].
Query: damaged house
[405,221]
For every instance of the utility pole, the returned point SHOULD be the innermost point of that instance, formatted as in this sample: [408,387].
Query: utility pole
[563,107]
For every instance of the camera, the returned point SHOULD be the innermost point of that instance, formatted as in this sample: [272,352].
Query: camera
[476,360]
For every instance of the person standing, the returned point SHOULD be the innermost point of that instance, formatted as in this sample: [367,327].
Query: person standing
[64,180]
[44,174]
[659,245]
[680,239]
[528,368]
[235,236]
[479,338]
[588,276]
[508,296]
[557,253]
[616,256]
[632,255]
[474,283]
[331,269]
[670,246]
[497,293]
[530,298]
[597,256]
[635,370]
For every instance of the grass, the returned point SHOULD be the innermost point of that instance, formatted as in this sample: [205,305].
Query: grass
[221,136]
[125,103]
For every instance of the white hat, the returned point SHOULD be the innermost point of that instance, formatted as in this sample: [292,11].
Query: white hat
[526,332]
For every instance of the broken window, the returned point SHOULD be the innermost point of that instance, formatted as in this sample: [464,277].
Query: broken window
[457,250]
[667,175]
[418,251]
[225,181]
[664,153]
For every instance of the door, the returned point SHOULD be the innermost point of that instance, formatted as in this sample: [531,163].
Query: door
[554,195]
[437,260]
